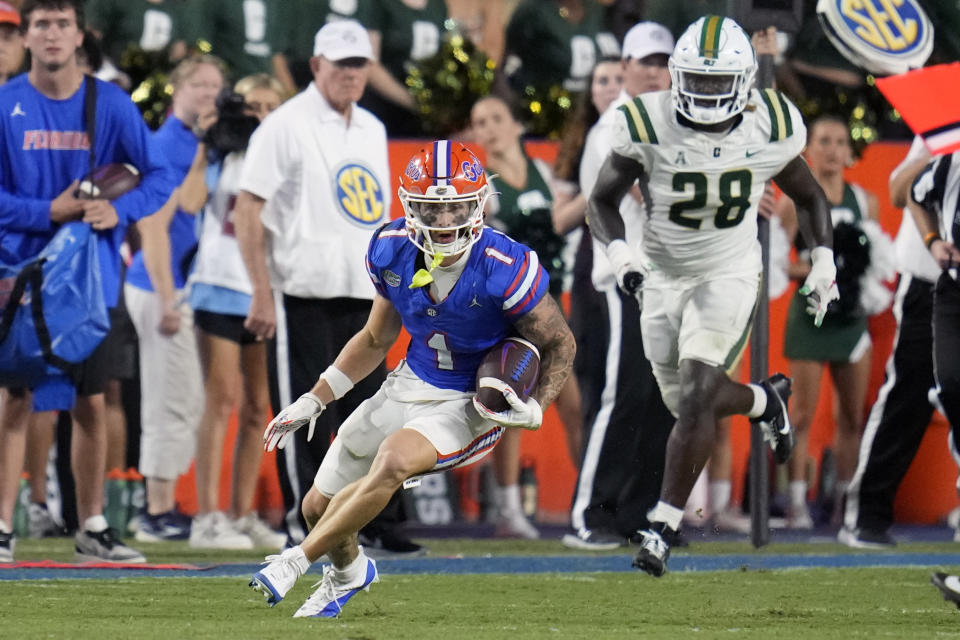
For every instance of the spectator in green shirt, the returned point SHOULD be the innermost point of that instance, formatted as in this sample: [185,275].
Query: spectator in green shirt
[402,32]
[291,27]
[236,31]
[556,42]
[152,25]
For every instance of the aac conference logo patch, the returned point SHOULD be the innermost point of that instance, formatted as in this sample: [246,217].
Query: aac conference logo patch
[885,37]
[360,195]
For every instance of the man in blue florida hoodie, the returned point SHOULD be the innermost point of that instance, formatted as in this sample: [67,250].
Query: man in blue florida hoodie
[44,151]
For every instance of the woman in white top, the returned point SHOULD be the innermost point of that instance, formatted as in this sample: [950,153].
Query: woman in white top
[234,360]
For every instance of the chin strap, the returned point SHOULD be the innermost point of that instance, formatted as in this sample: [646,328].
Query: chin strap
[423,277]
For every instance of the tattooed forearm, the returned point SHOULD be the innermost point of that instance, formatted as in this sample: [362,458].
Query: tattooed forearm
[545,327]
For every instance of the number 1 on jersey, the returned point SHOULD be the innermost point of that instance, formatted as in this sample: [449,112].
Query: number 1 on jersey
[438,342]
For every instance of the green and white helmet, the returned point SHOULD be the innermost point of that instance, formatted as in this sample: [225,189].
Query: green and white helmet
[712,69]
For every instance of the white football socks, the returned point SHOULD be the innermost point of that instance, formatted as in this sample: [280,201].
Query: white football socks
[719,495]
[95,524]
[798,493]
[508,499]
[759,401]
[353,572]
[667,514]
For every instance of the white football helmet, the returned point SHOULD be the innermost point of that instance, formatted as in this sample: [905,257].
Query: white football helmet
[441,174]
[712,69]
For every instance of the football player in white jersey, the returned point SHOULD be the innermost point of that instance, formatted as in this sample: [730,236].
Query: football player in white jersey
[702,153]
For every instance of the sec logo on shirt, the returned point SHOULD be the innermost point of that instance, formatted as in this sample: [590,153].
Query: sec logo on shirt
[359,195]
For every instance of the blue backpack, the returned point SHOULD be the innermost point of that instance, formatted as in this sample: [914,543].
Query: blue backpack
[54,314]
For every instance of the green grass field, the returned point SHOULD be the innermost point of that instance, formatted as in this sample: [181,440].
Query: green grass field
[808,604]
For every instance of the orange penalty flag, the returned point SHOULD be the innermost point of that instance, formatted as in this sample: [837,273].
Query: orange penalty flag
[929,101]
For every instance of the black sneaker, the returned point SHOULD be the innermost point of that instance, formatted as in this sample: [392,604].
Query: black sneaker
[171,525]
[42,524]
[7,542]
[866,539]
[105,546]
[654,552]
[674,539]
[592,540]
[775,421]
[375,538]
[949,586]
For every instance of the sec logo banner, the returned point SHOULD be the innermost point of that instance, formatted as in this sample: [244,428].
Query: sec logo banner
[885,37]
[359,195]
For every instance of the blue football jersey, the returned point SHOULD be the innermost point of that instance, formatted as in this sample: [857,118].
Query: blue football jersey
[44,147]
[502,281]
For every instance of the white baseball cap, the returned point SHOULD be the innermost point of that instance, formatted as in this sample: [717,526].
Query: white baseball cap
[342,39]
[646,38]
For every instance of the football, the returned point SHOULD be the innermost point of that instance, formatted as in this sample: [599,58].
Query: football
[514,361]
[109,182]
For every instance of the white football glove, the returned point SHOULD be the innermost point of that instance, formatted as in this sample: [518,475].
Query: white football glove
[526,415]
[305,409]
[629,276]
[820,287]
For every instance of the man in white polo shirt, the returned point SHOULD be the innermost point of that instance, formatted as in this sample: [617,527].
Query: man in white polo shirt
[315,184]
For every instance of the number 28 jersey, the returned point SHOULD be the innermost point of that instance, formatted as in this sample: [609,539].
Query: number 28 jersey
[501,282]
[701,190]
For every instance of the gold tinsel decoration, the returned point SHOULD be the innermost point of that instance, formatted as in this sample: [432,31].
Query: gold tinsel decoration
[545,110]
[149,76]
[446,85]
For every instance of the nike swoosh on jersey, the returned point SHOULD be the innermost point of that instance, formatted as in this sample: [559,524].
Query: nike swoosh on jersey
[750,154]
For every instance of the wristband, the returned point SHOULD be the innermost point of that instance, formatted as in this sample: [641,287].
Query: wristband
[930,238]
[338,381]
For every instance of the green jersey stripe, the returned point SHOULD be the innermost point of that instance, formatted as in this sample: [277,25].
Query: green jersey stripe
[781,126]
[631,123]
[785,110]
[733,358]
[710,36]
[639,119]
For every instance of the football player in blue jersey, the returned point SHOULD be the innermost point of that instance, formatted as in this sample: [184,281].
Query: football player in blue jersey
[44,151]
[458,288]
[702,153]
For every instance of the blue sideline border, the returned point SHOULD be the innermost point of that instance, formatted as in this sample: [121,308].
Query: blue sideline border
[533,564]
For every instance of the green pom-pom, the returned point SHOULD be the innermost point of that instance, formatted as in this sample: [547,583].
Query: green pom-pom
[446,85]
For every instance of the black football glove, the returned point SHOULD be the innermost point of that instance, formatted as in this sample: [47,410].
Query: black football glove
[629,277]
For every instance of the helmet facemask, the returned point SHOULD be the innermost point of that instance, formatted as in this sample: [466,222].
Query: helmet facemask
[712,69]
[443,191]
[709,98]
[440,212]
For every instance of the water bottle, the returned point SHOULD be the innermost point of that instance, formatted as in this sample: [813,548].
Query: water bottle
[117,500]
[21,518]
[529,493]
[137,500]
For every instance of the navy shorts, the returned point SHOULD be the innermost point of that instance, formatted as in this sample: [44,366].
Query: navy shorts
[223,325]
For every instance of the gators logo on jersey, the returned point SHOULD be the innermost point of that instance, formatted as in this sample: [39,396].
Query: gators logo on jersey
[359,195]
[885,36]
